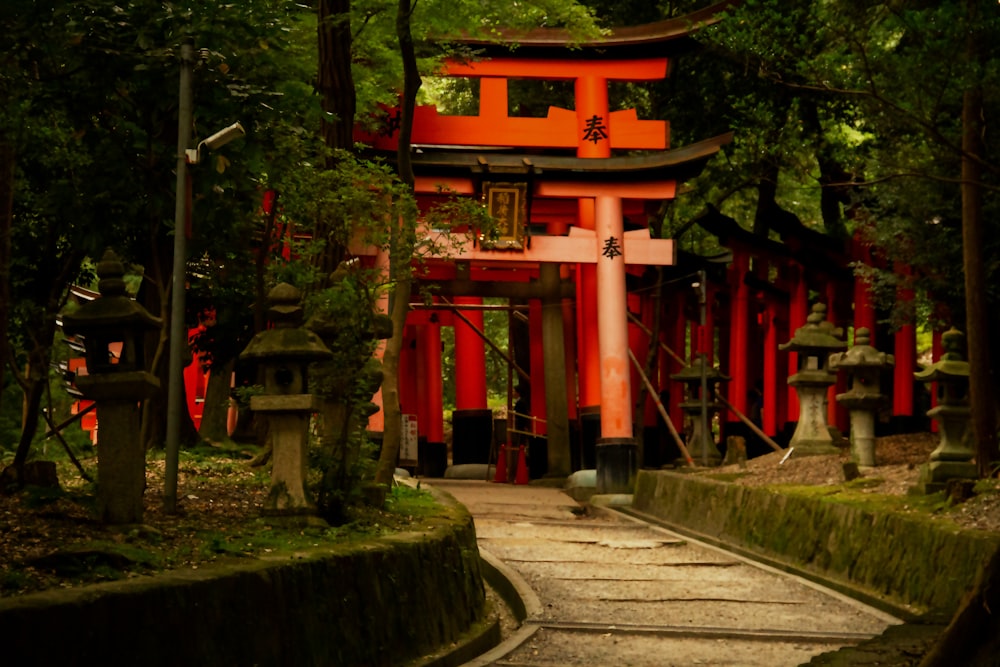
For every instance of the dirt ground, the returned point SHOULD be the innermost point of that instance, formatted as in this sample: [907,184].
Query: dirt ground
[49,538]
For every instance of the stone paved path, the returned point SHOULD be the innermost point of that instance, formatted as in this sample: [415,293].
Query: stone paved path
[615,591]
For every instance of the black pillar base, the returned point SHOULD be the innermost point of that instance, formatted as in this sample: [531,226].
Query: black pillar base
[433,459]
[616,465]
[538,458]
[472,434]
[590,432]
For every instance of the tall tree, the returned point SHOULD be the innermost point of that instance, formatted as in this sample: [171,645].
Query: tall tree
[981,382]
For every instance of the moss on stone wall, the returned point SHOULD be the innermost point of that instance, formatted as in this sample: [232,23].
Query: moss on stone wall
[905,559]
[377,602]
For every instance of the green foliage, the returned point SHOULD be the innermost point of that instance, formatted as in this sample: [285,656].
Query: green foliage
[876,88]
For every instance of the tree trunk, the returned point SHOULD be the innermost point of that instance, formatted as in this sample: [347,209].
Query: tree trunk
[335,81]
[154,295]
[7,158]
[972,637]
[35,377]
[43,331]
[411,85]
[399,258]
[338,99]
[393,429]
[976,304]
[214,418]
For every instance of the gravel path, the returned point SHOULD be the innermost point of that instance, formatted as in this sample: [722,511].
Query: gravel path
[615,591]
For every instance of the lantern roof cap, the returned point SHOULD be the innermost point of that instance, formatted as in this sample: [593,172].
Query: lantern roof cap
[816,334]
[952,364]
[862,354]
[693,372]
[114,309]
[287,340]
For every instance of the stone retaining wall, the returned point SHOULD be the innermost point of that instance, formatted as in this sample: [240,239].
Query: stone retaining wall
[377,602]
[906,562]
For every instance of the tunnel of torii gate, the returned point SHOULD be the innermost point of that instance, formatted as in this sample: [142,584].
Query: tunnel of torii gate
[575,249]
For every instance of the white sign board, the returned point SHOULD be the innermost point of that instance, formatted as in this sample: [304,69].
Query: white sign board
[408,446]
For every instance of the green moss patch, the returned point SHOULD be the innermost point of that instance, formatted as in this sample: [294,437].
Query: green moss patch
[898,549]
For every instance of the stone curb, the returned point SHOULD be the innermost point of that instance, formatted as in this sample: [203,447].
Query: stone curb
[522,600]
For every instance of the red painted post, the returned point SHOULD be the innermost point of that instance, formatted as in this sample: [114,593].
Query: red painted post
[638,342]
[836,414]
[589,352]
[422,381]
[537,371]
[739,323]
[470,358]
[707,340]
[569,333]
[408,390]
[616,394]
[650,412]
[433,409]
[592,119]
[769,398]
[798,311]
[677,342]
[905,352]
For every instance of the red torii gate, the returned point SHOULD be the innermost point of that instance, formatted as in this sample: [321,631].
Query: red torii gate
[582,201]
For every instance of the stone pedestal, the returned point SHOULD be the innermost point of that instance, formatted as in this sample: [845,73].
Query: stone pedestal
[864,364]
[814,342]
[288,432]
[953,457]
[121,457]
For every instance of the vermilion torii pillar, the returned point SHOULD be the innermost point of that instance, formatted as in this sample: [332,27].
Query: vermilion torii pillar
[616,450]
[472,421]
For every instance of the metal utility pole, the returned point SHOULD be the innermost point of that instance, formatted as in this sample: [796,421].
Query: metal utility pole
[178,335]
[706,434]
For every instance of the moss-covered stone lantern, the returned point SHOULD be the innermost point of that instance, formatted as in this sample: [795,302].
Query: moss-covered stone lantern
[701,444]
[283,354]
[863,365]
[814,342]
[953,457]
[113,328]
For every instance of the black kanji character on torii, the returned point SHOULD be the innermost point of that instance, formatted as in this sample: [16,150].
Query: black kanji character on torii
[612,248]
[595,130]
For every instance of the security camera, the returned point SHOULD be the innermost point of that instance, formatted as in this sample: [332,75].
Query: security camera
[217,140]
[224,136]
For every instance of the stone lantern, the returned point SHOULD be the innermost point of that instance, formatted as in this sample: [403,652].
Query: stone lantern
[283,354]
[863,365]
[953,457]
[814,342]
[113,328]
[691,376]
